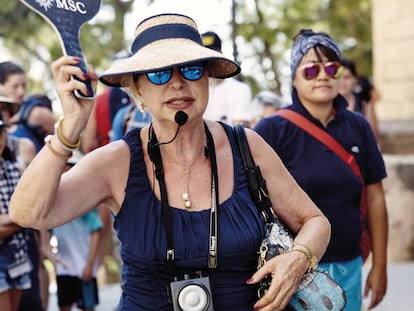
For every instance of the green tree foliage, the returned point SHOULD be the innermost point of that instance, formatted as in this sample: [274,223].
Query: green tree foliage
[262,34]
[351,25]
[265,29]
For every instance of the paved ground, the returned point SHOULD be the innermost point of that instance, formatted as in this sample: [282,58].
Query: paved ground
[108,296]
[400,296]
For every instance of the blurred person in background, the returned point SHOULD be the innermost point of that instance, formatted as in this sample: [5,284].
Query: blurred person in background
[366,89]
[13,81]
[35,120]
[98,133]
[129,118]
[357,101]
[22,149]
[15,264]
[108,103]
[77,257]
[264,104]
[229,99]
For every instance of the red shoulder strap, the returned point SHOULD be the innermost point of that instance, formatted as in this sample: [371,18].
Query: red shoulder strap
[348,158]
[315,131]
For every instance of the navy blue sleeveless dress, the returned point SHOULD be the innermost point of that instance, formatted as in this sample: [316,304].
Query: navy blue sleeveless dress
[145,274]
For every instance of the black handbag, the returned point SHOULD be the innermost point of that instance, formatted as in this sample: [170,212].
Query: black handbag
[317,290]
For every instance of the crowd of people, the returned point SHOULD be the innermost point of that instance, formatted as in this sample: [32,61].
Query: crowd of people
[154,157]
[27,120]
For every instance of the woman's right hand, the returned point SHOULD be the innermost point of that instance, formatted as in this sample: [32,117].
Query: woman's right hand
[75,110]
[286,271]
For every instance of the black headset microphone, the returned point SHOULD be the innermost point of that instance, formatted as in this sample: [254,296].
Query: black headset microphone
[180,118]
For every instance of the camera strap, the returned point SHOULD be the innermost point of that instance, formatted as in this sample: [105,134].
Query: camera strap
[155,156]
[212,257]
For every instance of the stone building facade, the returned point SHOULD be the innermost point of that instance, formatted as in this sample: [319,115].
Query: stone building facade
[393,67]
[393,51]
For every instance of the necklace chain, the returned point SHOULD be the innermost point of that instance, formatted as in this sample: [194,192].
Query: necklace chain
[186,195]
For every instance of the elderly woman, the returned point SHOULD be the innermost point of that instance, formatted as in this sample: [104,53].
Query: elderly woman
[177,188]
[329,181]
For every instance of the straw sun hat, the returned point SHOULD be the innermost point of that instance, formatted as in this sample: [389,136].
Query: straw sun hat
[164,41]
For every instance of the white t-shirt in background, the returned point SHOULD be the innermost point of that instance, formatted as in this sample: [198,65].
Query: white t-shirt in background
[229,101]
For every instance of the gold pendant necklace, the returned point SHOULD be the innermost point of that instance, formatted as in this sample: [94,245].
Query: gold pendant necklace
[186,195]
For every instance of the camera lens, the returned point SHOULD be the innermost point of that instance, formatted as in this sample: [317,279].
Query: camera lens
[193,298]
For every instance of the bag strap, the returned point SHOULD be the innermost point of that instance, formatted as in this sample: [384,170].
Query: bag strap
[256,183]
[315,131]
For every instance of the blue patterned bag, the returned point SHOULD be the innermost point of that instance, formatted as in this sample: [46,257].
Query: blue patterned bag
[318,291]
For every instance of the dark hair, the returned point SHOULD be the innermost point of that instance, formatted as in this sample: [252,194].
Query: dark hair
[364,88]
[321,50]
[7,69]
[7,107]
[7,154]
[350,65]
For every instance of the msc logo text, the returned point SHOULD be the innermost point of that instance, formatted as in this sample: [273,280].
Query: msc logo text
[68,5]
[71,5]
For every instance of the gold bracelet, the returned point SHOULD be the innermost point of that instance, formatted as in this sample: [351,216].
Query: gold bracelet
[305,246]
[297,250]
[313,260]
[66,144]
[48,141]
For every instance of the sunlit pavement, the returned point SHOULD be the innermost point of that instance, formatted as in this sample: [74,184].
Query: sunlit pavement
[108,298]
[400,294]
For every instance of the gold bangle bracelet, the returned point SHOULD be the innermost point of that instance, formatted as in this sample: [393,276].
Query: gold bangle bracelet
[306,247]
[48,141]
[313,260]
[297,250]
[68,146]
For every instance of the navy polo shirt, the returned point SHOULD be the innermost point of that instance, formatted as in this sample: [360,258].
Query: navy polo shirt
[328,181]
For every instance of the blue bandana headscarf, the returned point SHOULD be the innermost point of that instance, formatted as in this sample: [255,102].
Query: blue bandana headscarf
[307,39]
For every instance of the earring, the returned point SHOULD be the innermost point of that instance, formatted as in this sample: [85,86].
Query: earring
[141,107]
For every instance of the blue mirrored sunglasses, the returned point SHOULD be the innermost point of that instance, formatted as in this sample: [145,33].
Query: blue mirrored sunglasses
[191,72]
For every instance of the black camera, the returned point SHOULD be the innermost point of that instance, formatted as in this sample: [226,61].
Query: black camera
[192,293]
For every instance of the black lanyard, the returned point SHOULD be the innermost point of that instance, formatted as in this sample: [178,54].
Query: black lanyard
[212,257]
[155,156]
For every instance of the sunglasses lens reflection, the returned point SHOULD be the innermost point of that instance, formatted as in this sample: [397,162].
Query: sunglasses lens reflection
[159,77]
[192,73]
[331,69]
[311,71]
